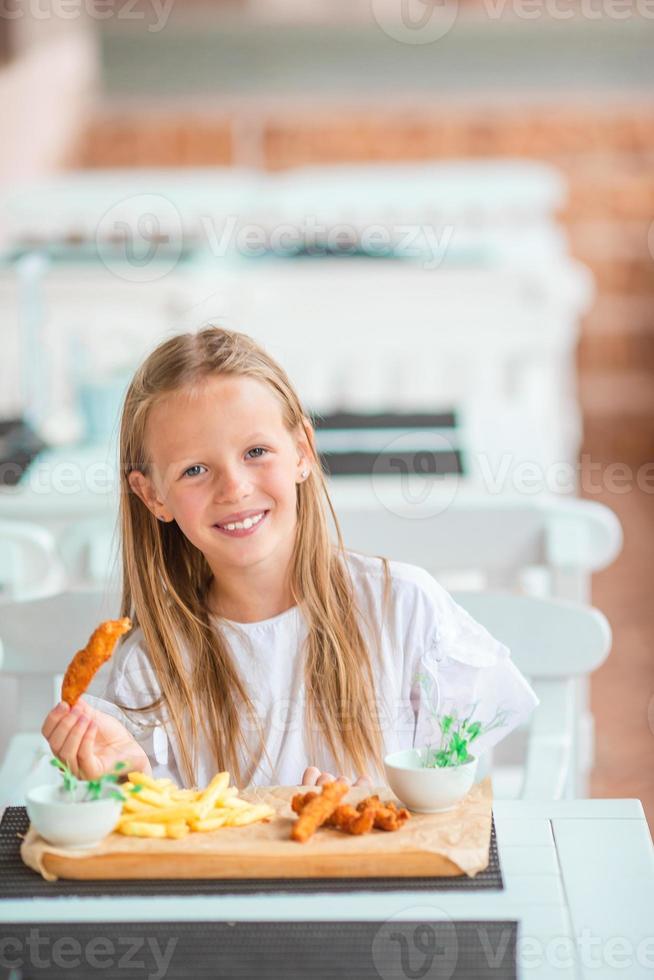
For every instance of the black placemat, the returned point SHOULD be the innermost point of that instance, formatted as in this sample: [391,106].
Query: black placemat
[390,950]
[19,881]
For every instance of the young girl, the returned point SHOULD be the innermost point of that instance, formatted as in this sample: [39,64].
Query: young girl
[260,645]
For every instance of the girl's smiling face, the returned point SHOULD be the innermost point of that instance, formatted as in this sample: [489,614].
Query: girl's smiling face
[221,454]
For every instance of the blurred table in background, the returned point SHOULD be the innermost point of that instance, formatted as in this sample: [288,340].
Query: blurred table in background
[429,287]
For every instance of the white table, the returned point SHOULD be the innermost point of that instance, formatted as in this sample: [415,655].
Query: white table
[578,874]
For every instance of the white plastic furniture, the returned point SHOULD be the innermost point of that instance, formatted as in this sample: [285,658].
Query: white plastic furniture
[578,878]
[543,545]
[90,553]
[29,563]
[552,642]
[38,639]
[29,567]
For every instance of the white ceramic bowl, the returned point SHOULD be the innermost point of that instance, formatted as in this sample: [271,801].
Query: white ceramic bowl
[71,824]
[428,790]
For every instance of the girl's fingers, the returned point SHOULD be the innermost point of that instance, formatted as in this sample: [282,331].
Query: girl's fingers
[363,781]
[52,719]
[314,777]
[85,708]
[70,747]
[88,762]
[62,729]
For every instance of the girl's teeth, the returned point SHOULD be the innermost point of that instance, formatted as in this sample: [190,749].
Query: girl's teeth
[247,523]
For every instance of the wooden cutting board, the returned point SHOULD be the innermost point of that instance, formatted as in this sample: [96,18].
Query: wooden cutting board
[452,843]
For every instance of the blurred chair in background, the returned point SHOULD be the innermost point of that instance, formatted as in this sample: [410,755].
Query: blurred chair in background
[30,565]
[554,643]
[39,638]
[544,546]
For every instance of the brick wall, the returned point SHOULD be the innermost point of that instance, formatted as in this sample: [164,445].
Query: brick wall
[606,152]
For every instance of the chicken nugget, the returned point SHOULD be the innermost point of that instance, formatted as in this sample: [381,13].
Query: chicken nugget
[318,809]
[386,815]
[86,662]
[346,818]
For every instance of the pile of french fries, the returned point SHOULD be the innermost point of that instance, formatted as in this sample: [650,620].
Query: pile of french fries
[160,809]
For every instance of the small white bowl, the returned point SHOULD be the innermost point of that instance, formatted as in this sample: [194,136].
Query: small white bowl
[76,824]
[428,790]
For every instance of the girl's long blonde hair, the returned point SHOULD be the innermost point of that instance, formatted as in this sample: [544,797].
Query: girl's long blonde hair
[166,579]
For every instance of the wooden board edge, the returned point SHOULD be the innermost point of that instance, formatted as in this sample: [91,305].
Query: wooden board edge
[116,866]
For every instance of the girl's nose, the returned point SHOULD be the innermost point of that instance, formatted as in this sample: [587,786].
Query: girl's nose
[231,486]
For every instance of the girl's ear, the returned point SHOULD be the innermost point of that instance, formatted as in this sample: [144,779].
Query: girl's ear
[306,444]
[142,486]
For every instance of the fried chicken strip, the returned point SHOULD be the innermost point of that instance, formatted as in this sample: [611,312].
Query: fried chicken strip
[344,817]
[318,809]
[86,662]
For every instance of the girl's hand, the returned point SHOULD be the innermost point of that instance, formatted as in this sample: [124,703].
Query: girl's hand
[314,777]
[91,742]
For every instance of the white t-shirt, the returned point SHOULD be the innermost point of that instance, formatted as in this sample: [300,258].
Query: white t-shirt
[427,635]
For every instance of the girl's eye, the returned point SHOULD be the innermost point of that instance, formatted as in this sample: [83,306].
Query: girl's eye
[259,450]
[197,466]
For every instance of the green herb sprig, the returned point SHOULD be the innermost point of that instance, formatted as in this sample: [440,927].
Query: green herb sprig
[456,733]
[94,787]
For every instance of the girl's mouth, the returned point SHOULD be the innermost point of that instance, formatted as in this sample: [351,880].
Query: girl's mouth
[244,528]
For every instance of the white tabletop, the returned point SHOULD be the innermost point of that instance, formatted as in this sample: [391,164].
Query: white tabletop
[578,875]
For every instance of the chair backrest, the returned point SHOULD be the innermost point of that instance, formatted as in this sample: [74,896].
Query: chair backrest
[547,637]
[556,644]
[504,539]
[29,564]
[39,638]
[89,552]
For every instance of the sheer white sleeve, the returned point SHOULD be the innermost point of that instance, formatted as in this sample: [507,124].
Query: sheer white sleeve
[465,672]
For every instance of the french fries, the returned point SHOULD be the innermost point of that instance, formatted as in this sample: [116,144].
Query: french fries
[161,810]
